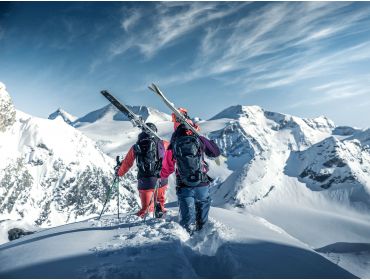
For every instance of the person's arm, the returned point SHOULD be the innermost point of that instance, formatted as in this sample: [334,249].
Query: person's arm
[165,144]
[168,165]
[210,148]
[127,162]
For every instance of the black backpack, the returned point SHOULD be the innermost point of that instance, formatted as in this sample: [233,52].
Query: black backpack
[149,155]
[187,150]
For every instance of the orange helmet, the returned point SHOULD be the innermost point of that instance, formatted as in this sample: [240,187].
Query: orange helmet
[176,122]
[182,111]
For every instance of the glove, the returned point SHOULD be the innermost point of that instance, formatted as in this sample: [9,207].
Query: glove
[116,170]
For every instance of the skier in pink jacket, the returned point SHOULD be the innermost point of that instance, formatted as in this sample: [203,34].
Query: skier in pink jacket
[185,155]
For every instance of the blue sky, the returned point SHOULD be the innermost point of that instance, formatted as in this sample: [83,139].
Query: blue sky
[301,58]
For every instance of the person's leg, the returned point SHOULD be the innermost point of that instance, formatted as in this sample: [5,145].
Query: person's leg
[145,196]
[187,208]
[202,205]
[161,197]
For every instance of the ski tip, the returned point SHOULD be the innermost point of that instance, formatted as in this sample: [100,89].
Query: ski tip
[150,87]
[104,91]
[154,87]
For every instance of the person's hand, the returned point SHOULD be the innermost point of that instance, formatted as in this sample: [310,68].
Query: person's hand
[116,170]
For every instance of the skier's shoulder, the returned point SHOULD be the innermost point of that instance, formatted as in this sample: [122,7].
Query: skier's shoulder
[165,144]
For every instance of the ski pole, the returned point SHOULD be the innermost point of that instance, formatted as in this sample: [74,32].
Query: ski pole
[108,195]
[106,200]
[155,202]
[117,185]
[115,181]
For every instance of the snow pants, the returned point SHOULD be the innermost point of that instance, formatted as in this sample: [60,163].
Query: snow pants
[146,195]
[194,203]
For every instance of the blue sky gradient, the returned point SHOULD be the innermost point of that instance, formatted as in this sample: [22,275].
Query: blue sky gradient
[302,58]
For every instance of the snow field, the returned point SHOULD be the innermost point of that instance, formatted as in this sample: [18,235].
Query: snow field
[230,245]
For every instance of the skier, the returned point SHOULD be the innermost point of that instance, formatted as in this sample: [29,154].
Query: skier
[148,153]
[186,151]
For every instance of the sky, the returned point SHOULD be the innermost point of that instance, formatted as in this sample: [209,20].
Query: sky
[302,58]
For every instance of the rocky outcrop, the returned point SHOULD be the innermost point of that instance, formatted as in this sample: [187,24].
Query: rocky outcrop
[7,111]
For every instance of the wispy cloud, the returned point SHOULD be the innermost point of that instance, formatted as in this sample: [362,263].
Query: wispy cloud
[342,89]
[133,17]
[336,90]
[280,44]
[167,22]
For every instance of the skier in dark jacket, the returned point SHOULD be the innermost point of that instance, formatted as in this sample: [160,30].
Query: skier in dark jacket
[148,153]
[186,152]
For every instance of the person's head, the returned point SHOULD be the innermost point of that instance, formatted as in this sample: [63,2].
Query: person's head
[152,126]
[175,121]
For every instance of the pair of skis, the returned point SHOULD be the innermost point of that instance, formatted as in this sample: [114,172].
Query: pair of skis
[138,121]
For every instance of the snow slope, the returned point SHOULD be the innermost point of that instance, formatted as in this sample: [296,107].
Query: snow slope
[231,246]
[350,256]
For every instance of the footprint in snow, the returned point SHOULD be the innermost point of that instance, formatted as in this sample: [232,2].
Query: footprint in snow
[210,238]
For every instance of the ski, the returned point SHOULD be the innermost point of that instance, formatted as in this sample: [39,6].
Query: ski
[173,108]
[136,120]
[180,116]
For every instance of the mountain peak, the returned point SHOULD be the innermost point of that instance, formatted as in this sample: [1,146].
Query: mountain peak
[237,111]
[109,112]
[68,118]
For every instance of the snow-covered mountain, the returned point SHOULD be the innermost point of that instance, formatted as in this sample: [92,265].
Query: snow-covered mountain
[289,163]
[60,113]
[255,138]
[277,147]
[50,173]
[261,149]
[340,166]
[112,130]
[304,177]
[109,112]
